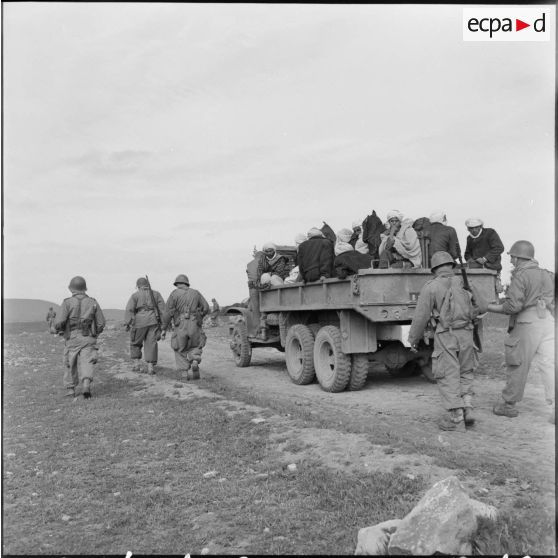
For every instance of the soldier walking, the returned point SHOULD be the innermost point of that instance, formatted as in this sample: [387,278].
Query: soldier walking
[214,313]
[81,320]
[143,319]
[186,309]
[51,314]
[445,300]
[530,304]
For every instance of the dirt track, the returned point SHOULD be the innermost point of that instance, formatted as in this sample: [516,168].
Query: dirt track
[390,423]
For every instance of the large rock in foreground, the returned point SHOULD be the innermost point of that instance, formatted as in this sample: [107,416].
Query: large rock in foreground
[443,521]
[373,541]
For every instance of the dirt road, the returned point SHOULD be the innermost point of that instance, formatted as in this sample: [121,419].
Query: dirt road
[391,422]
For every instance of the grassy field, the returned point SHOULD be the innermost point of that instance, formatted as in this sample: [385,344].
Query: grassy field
[131,471]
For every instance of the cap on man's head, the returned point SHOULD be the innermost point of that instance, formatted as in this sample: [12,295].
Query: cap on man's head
[473,222]
[141,282]
[182,279]
[437,217]
[394,214]
[77,284]
[269,246]
[441,258]
[314,232]
[344,235]
[356,224]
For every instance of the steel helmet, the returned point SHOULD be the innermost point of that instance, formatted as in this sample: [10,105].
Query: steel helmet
[182,279]
[441,258]
[77,284]
[522,249]
[141,282]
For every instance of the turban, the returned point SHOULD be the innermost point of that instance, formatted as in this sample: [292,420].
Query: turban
[394,214]
[300,238]
[344,235]
[313,232]
[356,224]
[437,217]
[473,222]
[269,246]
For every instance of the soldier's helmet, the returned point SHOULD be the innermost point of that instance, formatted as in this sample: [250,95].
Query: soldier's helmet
[182,279]
[440,258]
[77,284]
[141,282]
[522,249]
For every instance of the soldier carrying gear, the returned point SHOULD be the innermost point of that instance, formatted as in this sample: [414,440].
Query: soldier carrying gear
[81,320]
[530,304]
[454,359]
[186,308]
[142,319]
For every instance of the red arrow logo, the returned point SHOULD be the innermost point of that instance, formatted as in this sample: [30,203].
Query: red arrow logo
[519,25]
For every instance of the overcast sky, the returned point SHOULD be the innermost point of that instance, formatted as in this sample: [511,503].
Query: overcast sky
[167,139]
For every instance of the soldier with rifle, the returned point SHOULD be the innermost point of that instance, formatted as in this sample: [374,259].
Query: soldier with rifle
[449,300]
[80,320]
[143,319]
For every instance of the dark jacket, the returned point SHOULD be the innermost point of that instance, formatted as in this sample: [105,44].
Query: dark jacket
[487,245]
[444,238]
[348,263]
[315,258]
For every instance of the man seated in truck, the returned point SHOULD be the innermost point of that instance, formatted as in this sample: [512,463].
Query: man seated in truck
[347,260]
[357,241]
[272,267]
[400,246]
[443,238]
[315,257]
[294,275]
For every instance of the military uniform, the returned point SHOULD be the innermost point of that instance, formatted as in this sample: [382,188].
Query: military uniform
[186,309]
[531,332]
[51,315]
[454,359]
[141,316]
[81,320]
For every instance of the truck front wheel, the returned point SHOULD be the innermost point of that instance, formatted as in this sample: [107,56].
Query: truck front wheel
[299,354]
[240,345]
[333,366]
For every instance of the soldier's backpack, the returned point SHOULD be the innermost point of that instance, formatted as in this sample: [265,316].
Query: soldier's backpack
[457,309]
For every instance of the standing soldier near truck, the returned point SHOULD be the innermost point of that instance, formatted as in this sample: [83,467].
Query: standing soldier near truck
[143,319]
[530,304]
[454,310]
[81,320]
[186,308]
[50,319]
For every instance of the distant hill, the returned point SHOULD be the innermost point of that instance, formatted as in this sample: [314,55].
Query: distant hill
[18,310]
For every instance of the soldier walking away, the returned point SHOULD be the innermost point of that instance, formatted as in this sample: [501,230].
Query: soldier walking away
[214,313]
[530,304]
[186,309]
[81,320]
[453,309]
[50,319]
[143,319]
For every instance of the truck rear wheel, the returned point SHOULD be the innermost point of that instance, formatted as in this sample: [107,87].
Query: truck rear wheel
[299,354]
[240,345]
[359,371]
[333,366]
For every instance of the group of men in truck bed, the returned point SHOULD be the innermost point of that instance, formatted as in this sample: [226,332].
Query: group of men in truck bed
[398,243]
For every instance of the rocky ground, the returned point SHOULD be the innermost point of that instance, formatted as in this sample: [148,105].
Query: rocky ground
[388,427]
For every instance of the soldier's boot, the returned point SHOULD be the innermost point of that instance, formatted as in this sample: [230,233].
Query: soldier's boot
[505,409]
[453,421]
[86,388]
[136,366]
[468,410]
[150,368]
[195,370]
[70,392]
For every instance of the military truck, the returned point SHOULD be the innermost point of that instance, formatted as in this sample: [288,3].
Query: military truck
[333,329]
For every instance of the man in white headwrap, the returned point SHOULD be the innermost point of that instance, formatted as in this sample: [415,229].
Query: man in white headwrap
[347,260]
[272,267]
[315,256]
[400,246]
[443,238]
[294,275]
[357,241]
[484,247]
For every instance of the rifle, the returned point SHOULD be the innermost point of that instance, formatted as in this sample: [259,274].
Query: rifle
[154,302]
[467,287]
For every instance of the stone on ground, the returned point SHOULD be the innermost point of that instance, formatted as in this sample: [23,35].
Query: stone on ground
[373,541]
